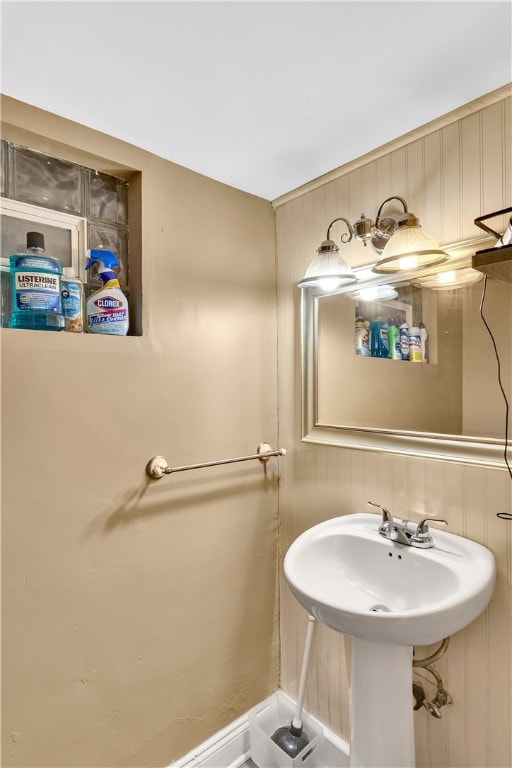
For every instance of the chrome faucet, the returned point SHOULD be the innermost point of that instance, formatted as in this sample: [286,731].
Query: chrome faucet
[402,533]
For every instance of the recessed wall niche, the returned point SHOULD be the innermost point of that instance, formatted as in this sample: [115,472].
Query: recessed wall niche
[108,205]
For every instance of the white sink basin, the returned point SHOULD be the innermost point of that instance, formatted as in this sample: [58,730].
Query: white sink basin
[354,580]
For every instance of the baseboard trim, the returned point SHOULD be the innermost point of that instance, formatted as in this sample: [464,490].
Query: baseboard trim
[230,747]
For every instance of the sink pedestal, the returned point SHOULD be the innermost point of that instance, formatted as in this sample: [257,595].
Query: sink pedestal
[382,706]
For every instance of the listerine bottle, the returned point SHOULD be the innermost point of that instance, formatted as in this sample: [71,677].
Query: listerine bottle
[36,288]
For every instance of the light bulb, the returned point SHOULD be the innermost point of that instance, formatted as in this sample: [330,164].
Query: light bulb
[408,262]
[329,283]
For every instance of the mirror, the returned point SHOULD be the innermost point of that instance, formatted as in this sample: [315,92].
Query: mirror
[448,406]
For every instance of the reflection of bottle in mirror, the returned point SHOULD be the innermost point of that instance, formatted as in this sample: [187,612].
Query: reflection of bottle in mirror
[362,337]
[384,339]
[424,343]
[415,355]
[394,340]
[374,338]
[379,338]
[359,325]
[404,341]
[366,324]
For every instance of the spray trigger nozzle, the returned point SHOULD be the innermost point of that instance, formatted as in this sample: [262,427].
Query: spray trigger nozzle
[104,259]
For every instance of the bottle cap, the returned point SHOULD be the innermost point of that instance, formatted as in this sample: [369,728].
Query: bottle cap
[69,272]
[35,240]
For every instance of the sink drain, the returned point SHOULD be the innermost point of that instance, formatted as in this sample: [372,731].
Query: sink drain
[380,609]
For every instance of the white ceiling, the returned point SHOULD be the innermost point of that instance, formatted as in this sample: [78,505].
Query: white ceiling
[263,96]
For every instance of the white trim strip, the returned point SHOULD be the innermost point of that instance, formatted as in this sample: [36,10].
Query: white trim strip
[230,747]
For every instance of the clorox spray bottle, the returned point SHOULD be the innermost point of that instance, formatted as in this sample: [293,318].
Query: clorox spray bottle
[106,308]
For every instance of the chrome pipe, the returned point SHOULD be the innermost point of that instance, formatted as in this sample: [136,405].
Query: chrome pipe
[434,657]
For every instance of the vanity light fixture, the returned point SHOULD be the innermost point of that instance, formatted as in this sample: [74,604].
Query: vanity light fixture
[328,270]
[400,240]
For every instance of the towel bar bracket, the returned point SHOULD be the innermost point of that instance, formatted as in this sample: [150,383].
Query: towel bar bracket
[156,467]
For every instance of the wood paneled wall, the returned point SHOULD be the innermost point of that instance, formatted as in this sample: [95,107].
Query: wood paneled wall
[450,174]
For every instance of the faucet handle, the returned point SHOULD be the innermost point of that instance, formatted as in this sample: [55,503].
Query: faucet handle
[386,516]
[423,527]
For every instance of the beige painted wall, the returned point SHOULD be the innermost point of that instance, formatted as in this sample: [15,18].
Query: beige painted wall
[449,176]
[139,619]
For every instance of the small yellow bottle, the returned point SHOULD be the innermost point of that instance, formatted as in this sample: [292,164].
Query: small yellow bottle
[415,355]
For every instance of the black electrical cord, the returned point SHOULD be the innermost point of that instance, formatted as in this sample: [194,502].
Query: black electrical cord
[503,515]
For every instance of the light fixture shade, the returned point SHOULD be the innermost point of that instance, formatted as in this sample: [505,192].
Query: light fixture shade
[327,270]
[409,248]
[449,280]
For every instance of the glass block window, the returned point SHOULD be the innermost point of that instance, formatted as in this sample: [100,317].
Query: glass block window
[47,181]
[56,184]
[112,239]
[107,198]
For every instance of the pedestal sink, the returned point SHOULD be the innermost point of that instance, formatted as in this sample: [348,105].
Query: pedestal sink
[388,597]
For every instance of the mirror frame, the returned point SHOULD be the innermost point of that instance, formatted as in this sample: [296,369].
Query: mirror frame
[463,449]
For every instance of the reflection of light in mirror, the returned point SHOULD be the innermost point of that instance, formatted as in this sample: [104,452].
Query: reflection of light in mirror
[369,294]
[408,262]
[373,293]
[446,277]
[453,278]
